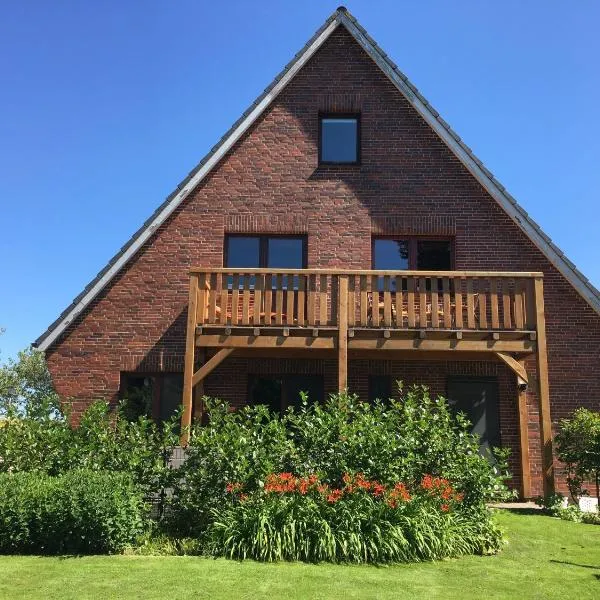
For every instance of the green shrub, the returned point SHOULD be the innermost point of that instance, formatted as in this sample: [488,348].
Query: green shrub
[399,441]
[578,446]
[104,440]
[362,521]
[79,512]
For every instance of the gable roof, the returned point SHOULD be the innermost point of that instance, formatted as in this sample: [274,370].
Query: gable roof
[341,17]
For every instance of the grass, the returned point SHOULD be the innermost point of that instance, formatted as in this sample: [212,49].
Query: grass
[545,558]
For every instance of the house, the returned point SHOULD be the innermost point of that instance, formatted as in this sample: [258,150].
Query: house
[341,235]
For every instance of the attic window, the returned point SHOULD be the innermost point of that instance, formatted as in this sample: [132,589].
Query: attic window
[339,139]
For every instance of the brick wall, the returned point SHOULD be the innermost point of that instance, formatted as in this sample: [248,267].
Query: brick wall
[408,182]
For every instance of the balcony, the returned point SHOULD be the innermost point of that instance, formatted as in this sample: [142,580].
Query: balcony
[394,310]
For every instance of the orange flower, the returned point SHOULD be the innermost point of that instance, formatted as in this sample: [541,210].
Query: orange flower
[334,496]
[445,508]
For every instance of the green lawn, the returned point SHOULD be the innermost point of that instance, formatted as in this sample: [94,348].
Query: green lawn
[545,558]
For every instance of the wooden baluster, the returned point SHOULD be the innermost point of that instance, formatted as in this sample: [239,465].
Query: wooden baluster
[482,304]
[411,302]
[519,304]
[278,300]
[387,302]
[458,303]
[246,299]
[202,299]
[312,300]
[399,303]
[289,305]
[224,295]
[494,301]
[364,301]
[470,304]
[235,299]
[212,298]
[375,300]
[435,317]
[268,299]
[422,302]
[447,303]
[259,287]
[301,299]
[506,304]
[351,301]
[323,300]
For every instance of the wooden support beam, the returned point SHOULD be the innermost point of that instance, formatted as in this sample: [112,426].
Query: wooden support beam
[267,341]
[524,443]
[544,390]
[343,334]
[188,371]
[514,365]
[211,364]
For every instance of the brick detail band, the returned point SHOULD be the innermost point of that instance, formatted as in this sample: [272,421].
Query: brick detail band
[261,223]
[425,225]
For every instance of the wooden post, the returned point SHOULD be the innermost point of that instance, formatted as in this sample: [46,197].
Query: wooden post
[188,373]
[544,390]
[198,392]
[343,334]
[524,442]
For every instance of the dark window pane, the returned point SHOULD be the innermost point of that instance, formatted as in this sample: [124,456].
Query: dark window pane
[380,387]
[339,140]
[286,253]
[171,395]
[434,255]
[391,255]
[243,252]
[265,390]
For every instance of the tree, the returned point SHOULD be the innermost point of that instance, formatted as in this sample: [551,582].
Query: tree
[26,388]
[578,446]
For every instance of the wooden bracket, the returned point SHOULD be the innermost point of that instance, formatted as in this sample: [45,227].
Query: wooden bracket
[514,365]
[210,365]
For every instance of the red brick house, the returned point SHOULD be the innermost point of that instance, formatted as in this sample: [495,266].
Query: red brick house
[341,235]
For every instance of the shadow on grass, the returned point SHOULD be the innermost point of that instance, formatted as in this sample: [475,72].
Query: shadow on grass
[566,562]
[523,511]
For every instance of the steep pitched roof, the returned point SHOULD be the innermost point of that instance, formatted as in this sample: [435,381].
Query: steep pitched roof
[341,17]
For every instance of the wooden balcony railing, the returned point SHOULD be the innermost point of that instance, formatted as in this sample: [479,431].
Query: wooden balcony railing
[310,298]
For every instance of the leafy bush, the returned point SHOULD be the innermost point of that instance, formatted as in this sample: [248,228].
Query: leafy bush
[362,521]
[399,441]
[79,512]
[104,440]
[578,446]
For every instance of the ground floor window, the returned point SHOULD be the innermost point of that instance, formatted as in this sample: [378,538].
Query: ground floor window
[380,387]
[477,398]
[157,396]
[280,391]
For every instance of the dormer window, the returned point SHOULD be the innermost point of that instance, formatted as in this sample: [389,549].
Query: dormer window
[339,139]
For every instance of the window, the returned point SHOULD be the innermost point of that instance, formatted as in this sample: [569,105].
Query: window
[339,139]
[412,253]
[158,396]
[261,251]
[280,391]
[380,387]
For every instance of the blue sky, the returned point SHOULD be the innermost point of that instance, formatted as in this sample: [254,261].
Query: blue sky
[105,107]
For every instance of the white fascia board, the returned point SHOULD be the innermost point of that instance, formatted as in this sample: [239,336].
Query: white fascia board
[467,160]
[189,187]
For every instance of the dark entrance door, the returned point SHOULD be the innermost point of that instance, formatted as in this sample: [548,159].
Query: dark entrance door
[279,392]
[477,397]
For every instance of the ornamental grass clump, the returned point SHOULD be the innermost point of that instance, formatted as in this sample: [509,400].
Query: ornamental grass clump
[340,481]
[361,521]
